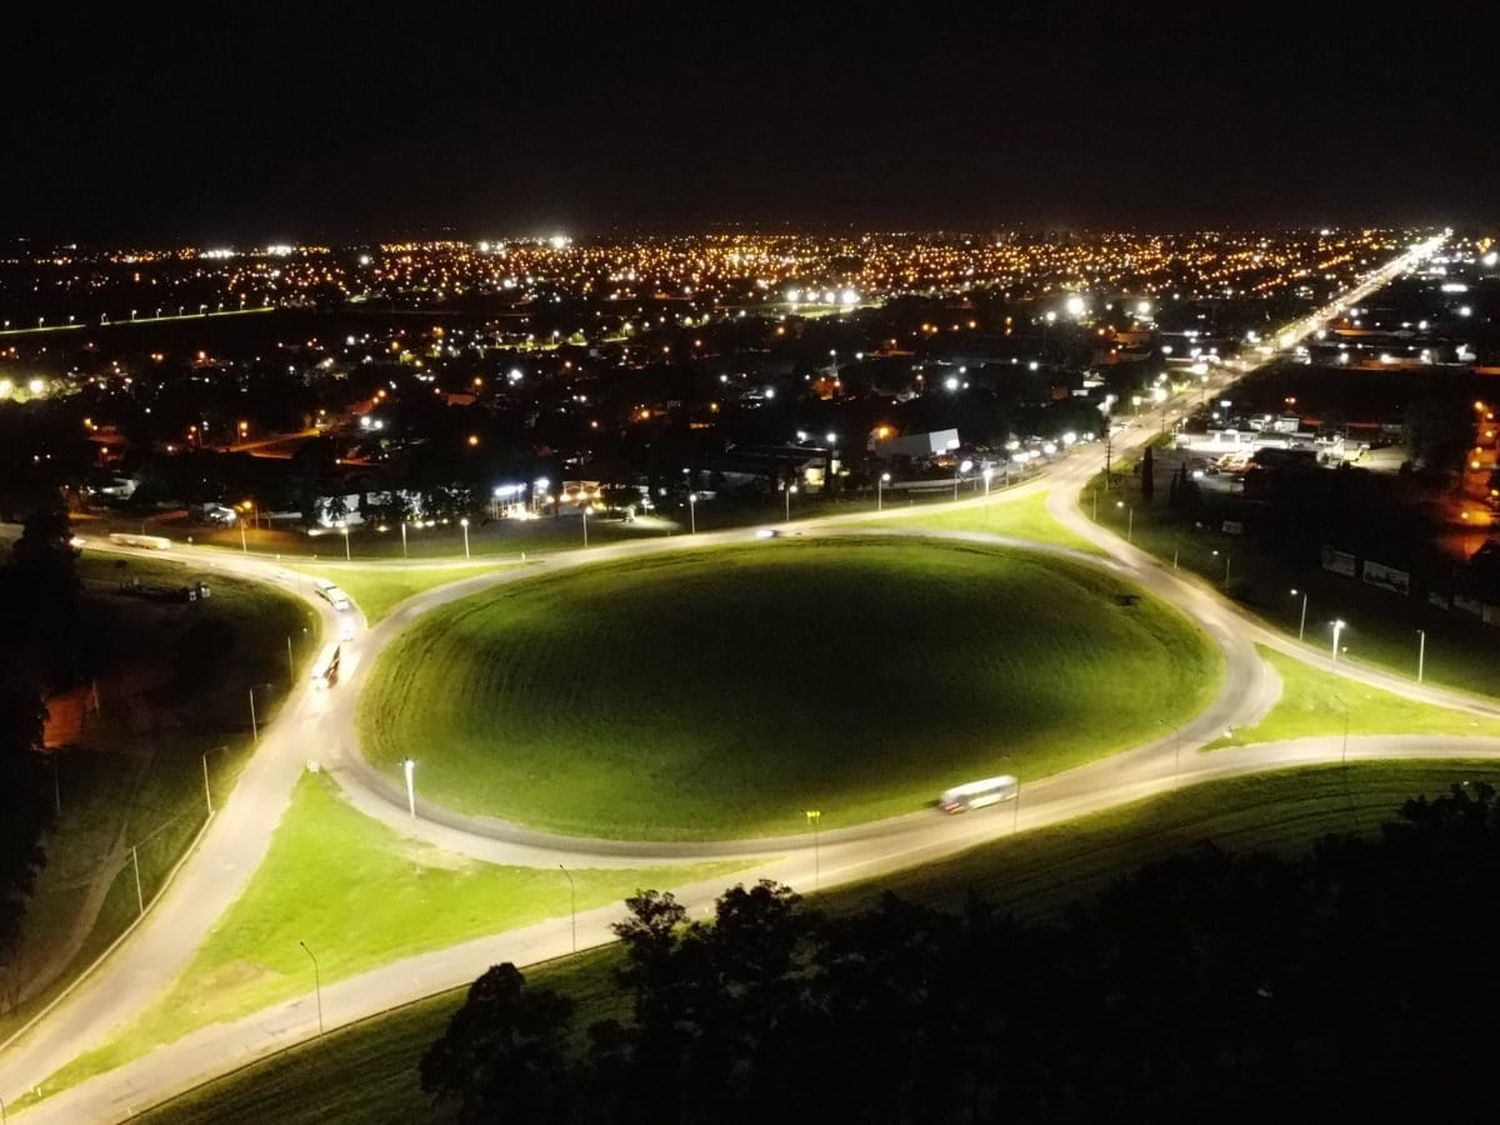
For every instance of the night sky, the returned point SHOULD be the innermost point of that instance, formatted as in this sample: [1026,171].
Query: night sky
[347,121]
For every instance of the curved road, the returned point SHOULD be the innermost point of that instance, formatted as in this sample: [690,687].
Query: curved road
[317,726]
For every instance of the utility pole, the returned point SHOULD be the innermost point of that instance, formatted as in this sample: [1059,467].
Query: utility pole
[317,984]
[814,817]
[572,903]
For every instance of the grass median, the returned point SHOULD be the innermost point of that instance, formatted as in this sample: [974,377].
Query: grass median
[720,693]
[1314,702]
[360,896]
[367,1072]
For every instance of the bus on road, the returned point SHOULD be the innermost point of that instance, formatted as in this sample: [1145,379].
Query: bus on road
[978,794]
[325,671]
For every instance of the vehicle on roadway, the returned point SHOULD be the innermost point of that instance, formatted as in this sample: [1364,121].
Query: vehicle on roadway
[330,593]
[978,794]
[325,672]
[150,542]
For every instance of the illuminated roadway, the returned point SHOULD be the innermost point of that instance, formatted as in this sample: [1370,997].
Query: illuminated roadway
[316,726]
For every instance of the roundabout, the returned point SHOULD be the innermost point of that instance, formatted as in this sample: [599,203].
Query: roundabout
[718,694]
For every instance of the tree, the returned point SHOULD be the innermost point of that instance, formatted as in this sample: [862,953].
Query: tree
[25,807]
[504,1054]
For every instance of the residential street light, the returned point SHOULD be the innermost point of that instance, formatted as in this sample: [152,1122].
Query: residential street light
[409,768]
[464,523]
[1130,522]
[586,510]
[1338,629]
[791,488]
[692,513]
[814,818]
[344,531]
[1421,652]
[880,482]
[1302,621]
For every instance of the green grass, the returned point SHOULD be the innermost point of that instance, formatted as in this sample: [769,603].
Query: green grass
[721,693]
[1315,702]
[1022,517]
[360,896]
[1382,627]
[377,589]
[367,1072]
[136,772]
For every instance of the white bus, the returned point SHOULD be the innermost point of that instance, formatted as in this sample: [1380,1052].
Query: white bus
[150,542]
[978,794]
[331,593]
[325,671]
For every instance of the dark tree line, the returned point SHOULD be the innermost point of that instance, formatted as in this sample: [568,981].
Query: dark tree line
[1356,979]
[41,650]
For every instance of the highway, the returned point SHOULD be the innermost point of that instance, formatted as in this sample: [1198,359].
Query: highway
[316,726]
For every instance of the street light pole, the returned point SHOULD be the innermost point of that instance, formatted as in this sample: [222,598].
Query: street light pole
[880,483]
[692,513]
[345,531]
[317,984]
[408,767]
[254,728]
[1302,621]
[1338,628]
[814,817]
[791,488]
[464,523]
[572,903]
[1421,652]
[587,509]
[135,861]
[403,539]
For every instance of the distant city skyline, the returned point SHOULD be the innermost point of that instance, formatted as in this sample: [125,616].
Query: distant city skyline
[145,126]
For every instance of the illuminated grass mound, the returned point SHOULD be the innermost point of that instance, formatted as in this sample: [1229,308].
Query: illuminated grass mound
[721,693]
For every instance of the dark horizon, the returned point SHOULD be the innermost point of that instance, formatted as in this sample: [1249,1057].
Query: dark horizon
[472,123]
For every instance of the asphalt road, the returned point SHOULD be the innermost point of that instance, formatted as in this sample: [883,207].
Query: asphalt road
[317,726]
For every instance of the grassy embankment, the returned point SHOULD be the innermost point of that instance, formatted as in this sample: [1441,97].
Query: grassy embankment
[367,1073]
[173,694]
[359,896]
[711,695]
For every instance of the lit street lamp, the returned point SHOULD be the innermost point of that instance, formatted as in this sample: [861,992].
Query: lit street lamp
[344,531]
[963,467]
[814,818]
[1338,629]
[1421,652]
[1302,621]
[464,523]
[409,768]
[587,509]
[791,488]
[692,513]
[403,539]
[880,482]
[1130,524]
[989,475]
[1226,568]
